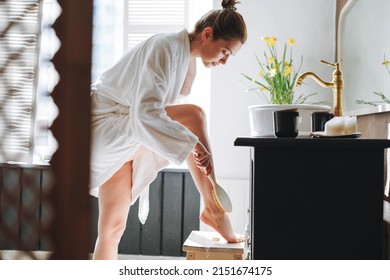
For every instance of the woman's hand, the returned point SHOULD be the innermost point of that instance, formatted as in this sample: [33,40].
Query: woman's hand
[202,159]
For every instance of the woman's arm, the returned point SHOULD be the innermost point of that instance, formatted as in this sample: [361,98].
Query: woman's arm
[202,158]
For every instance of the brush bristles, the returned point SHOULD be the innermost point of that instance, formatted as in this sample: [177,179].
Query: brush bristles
[216,200]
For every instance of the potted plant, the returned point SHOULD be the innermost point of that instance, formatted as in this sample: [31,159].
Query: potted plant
[276,84]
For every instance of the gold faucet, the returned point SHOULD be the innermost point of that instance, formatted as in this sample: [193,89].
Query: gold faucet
[337,85]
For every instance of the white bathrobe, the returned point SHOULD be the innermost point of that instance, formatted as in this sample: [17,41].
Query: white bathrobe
[128,117]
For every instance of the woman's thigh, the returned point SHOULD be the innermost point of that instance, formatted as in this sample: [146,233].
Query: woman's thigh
[115,198]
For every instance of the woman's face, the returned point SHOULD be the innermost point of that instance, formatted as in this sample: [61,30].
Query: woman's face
[215,52]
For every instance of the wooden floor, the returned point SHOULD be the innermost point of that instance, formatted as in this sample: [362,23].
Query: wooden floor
[40,255]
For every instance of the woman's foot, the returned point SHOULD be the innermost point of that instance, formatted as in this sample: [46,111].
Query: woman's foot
[220,221]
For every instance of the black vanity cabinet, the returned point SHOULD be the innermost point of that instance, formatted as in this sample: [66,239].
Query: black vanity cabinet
[316,198]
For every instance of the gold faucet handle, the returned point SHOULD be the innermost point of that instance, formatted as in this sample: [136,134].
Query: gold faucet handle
[331,64]
[335,65]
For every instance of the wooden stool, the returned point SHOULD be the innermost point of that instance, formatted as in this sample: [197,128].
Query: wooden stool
[202,245]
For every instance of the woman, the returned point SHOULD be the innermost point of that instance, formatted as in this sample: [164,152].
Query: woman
[137,130]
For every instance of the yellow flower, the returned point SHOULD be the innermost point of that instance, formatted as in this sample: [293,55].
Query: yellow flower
[386,62]
[277,75]
[271,41]
[287,70]
[291,41]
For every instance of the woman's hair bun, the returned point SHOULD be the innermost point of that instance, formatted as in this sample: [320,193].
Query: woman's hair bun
[226,23]
[229,5]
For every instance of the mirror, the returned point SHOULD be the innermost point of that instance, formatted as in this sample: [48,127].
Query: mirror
[363,45]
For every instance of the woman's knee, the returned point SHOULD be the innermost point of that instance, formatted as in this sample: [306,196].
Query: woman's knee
[112,229]
[197,114]
[189,115]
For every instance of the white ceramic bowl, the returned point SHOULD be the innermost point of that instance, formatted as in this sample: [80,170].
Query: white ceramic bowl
[262,121]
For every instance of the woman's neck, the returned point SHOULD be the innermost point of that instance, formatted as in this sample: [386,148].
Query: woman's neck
[195,42]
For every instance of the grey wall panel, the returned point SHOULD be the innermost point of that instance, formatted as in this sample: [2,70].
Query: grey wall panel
[172,214]
[151,230]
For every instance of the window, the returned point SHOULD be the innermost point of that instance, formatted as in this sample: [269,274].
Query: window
[120,25]
[145,18]
[19,43]
[108,25]
[27,77]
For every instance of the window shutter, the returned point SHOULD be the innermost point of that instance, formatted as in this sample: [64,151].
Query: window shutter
[148,17]
[19,29]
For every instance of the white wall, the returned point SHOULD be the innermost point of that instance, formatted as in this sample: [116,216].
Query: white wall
[312,24]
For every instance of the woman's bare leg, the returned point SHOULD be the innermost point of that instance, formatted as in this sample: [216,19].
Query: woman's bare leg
[114,204]
[194,119]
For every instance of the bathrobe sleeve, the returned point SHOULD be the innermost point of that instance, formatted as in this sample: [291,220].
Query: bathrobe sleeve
[150,123]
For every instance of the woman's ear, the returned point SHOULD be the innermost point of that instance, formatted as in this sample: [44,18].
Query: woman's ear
[207,33]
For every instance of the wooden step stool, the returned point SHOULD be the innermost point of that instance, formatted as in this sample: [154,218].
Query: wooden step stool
[202,245]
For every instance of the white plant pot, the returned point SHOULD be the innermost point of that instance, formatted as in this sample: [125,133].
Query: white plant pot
[261,117]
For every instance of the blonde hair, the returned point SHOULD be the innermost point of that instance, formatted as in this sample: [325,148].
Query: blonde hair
[227,23]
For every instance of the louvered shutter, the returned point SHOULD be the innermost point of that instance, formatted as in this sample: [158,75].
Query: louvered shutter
[19,29]
[148,17]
